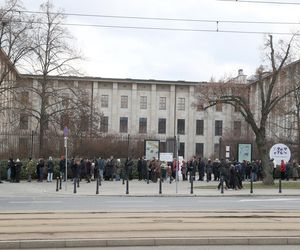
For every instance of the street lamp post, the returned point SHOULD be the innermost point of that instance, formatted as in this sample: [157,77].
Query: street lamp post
[66,133]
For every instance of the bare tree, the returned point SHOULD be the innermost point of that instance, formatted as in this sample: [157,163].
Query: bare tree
[52,55]
[269,92]
[15,45]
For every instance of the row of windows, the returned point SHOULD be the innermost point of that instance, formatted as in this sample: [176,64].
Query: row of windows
[143,102]
[162,126]
[162,103]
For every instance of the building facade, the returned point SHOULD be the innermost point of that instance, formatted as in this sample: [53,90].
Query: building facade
[152,109]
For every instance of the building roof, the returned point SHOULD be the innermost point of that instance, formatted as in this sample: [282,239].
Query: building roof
[112,80]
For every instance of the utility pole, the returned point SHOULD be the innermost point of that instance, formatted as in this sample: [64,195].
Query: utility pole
[66,133]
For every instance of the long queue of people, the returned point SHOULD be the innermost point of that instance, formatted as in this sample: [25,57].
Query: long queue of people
[82,168]
[233,173]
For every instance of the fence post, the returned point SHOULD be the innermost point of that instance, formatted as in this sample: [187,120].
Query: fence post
[280,185]
[160,185]
[251,185]
[222,185]
[97,186]
[127,186]
[74,191]
[78,181]
[192,186]
[57,180]
[60,179]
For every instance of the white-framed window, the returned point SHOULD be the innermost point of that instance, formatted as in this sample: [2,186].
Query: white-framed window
[124,102]
[143,102]
[104,101]
[181,103]
[162,103]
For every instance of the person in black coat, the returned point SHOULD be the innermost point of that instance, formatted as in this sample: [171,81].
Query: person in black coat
[18,167]
[139,169]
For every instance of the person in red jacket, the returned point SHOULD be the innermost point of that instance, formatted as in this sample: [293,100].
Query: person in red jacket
[282,169]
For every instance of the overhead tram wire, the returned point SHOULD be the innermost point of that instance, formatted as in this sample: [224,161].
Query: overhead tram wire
[262,2]
[173,29]
[165,18]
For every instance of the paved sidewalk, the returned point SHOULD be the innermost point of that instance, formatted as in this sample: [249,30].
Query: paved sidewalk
[136,188]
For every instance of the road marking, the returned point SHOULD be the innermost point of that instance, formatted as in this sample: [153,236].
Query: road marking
[33,202]
[129,201]
[267,200]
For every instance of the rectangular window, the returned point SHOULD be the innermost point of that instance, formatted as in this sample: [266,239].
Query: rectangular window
[199,149]
[104,101]
[161,125]
[25,98]
[123,124]
[143,126]
[217,150]
[64,121]
[65,100]
[124,102]
[104,124]
[24,121]
[237,127]
[181,149]
[181,126]
[163,146]
[181,104]
[218,128]
[237,108]
[199,127]
[143,102]
[84,122]
[219,107]
[162,103]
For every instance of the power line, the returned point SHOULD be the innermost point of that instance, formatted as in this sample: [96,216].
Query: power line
[166,19]
[172,29]
[263,2]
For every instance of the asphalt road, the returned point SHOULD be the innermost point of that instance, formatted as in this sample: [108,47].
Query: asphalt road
[260,247]
[121,203]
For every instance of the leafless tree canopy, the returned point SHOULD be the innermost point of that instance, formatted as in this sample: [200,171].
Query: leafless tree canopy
[270,91]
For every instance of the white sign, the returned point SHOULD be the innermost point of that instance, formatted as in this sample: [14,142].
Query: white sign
[280,152]
[166,157]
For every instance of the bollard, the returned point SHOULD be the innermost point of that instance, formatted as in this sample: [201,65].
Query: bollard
[97,186]
[147,176]
[160,185]
[192,181]
[100,180]
[60,182]
[222,185]
[78,182]
[280,185]
[57,184]
[127,186]
[74,191]
[123,179]
[251,186]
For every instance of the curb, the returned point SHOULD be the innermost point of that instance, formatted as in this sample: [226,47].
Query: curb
[65,243]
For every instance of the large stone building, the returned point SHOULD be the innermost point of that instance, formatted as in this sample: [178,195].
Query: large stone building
[156,109]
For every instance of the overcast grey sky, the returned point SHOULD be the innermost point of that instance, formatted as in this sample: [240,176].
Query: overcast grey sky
[172,55]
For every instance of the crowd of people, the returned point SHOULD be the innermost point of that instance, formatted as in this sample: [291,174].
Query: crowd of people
[231,172]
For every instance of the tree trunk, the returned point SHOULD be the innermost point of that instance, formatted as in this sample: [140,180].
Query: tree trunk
[263,155]
[298,133]
[41,137]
